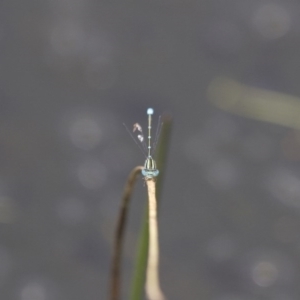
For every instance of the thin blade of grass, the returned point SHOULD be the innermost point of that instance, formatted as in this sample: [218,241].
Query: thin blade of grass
[115,277]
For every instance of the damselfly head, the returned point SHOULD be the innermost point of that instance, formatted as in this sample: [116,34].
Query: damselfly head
[150,169]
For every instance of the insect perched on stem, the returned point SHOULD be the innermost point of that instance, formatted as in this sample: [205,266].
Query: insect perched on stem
[150,170]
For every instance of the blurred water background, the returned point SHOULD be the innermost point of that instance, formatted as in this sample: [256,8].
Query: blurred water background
[72,71]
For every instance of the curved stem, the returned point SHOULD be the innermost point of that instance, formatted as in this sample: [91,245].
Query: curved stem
[115,280]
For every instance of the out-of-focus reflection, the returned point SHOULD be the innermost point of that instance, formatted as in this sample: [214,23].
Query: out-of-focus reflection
[270,269]
[256,103]
[85,132]
[92,174]
[271,20]
[284,185]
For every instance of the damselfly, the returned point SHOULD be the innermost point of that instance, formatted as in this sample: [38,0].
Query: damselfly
[150,169]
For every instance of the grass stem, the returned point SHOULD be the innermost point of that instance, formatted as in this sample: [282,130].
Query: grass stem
[115,279]
[153,289]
